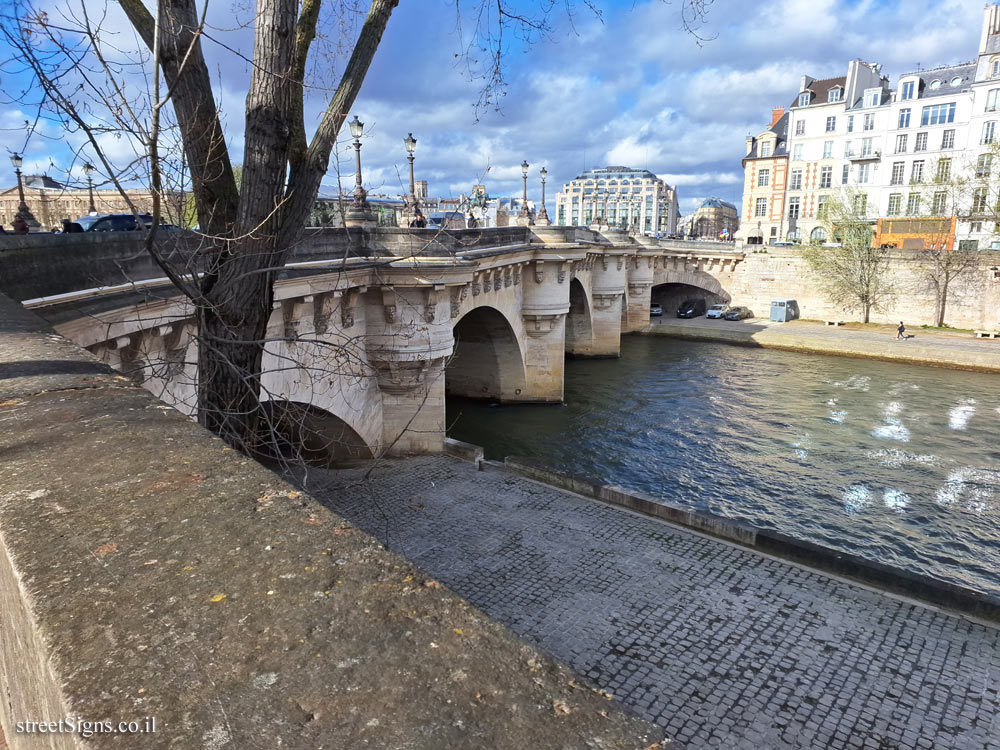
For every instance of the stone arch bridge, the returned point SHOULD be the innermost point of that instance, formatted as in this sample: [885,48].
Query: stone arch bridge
[371,328]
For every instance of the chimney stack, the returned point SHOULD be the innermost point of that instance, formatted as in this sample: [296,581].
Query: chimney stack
[776,114]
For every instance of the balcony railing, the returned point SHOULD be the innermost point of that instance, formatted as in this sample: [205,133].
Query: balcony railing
[872,154]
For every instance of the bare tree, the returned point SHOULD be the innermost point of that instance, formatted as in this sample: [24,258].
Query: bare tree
[854,271]
[250,226]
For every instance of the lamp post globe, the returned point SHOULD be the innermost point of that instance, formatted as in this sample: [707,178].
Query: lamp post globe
[411,209]
[22,207]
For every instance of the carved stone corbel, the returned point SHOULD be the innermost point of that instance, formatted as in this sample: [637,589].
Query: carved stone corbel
[605,301]
[389,304]
[507,280]
[517,274]
[400,377]
[539,271]
[540,325]
[621,262]
[497,280]
[561,273]
[604,262]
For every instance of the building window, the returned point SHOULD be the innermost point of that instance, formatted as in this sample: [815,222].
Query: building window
[797,152]
[845,174]
[864,173]
[869,122]
[826,177]
[817,235]
[850,123]
[908,88]
[983,165]
[764,178]
[793,208]
[948,139]
[800,127]
[940,203]
[937,114]
[761,208]
[895,204]
[968,245]
[901,143]
[834,94]
[827,149]
[804,99]
[821,209]
[866,146]
[831,124]
[904,119]
[976,227]
[989,132]
[995,69]
[847,149]
[873,97]
[979,200]
[917,173]
[861,204]
[796,181]
[944,170]
[991,100]
[897,173]
[913,204]
[921,142]
[765,148]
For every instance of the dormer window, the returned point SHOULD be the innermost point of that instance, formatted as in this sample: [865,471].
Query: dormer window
[765,148]
[804,98]
[835,94]
[995,68]
[873,97]
[908,90]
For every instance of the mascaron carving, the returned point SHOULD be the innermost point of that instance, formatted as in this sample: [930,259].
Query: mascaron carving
[605,301]
[401,377]
[540,325]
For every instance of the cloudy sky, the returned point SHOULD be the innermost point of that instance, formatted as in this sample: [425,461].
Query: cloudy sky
[631,87]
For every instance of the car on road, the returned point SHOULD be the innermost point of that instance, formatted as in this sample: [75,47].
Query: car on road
[655,310]
[716,311]
[738,313]
[113,222]
[691,308]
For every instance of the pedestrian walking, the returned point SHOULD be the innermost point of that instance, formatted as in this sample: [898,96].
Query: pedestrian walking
[900,330]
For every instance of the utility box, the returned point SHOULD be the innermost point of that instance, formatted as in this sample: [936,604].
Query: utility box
[783,310]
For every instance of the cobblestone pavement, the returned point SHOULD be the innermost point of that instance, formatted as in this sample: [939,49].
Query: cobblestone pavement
[720,646]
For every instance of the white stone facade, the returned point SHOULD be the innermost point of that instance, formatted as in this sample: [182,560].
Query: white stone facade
[854,138]
[619,197]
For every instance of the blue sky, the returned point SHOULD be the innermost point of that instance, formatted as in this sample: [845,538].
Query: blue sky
[631,88]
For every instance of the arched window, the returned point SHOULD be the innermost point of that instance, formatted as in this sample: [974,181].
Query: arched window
[793,235]
[818,235]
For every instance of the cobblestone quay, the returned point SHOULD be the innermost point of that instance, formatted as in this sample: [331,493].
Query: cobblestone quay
[719,645]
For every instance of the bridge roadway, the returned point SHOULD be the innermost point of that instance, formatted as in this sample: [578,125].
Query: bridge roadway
[719,645]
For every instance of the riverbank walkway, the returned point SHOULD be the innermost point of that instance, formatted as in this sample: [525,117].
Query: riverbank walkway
[721,646]
[929,347]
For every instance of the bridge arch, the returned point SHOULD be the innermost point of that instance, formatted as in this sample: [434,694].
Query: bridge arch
[671,289]
[579,321]
[487,362]
[292,430]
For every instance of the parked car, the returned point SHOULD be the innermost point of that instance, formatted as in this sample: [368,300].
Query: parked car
[738,313]
[655,310]
[716,311]
[691,308]
[113,222]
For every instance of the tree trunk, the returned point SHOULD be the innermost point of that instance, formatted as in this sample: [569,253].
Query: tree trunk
[942,301]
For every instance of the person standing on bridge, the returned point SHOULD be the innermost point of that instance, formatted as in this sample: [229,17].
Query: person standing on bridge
[19,225]
[900,330]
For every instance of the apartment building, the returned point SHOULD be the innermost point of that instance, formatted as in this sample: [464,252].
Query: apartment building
[894,153]
[765,172]
[620,197]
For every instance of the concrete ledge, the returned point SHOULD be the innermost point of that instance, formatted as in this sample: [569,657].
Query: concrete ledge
[147,570]
[463,451]
[888,350]
[914,585]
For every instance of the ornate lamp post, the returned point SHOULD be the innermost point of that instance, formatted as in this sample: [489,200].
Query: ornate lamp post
[22,207]
[88,169]
[542,216]
[524,217]
[358,215]
[411,145]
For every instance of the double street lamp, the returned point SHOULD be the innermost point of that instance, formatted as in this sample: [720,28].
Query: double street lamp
[88,169]
[22,207]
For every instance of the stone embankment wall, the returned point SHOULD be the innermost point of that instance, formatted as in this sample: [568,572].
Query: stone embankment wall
[782,272]
[146,570]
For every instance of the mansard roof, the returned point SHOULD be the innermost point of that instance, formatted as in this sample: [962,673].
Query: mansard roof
[780,129]
[965,73]
[821,89]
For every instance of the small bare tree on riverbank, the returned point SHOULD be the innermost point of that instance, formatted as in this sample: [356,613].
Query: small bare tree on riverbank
[853,273]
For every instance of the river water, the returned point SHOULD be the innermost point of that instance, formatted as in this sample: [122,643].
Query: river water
[897,463]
